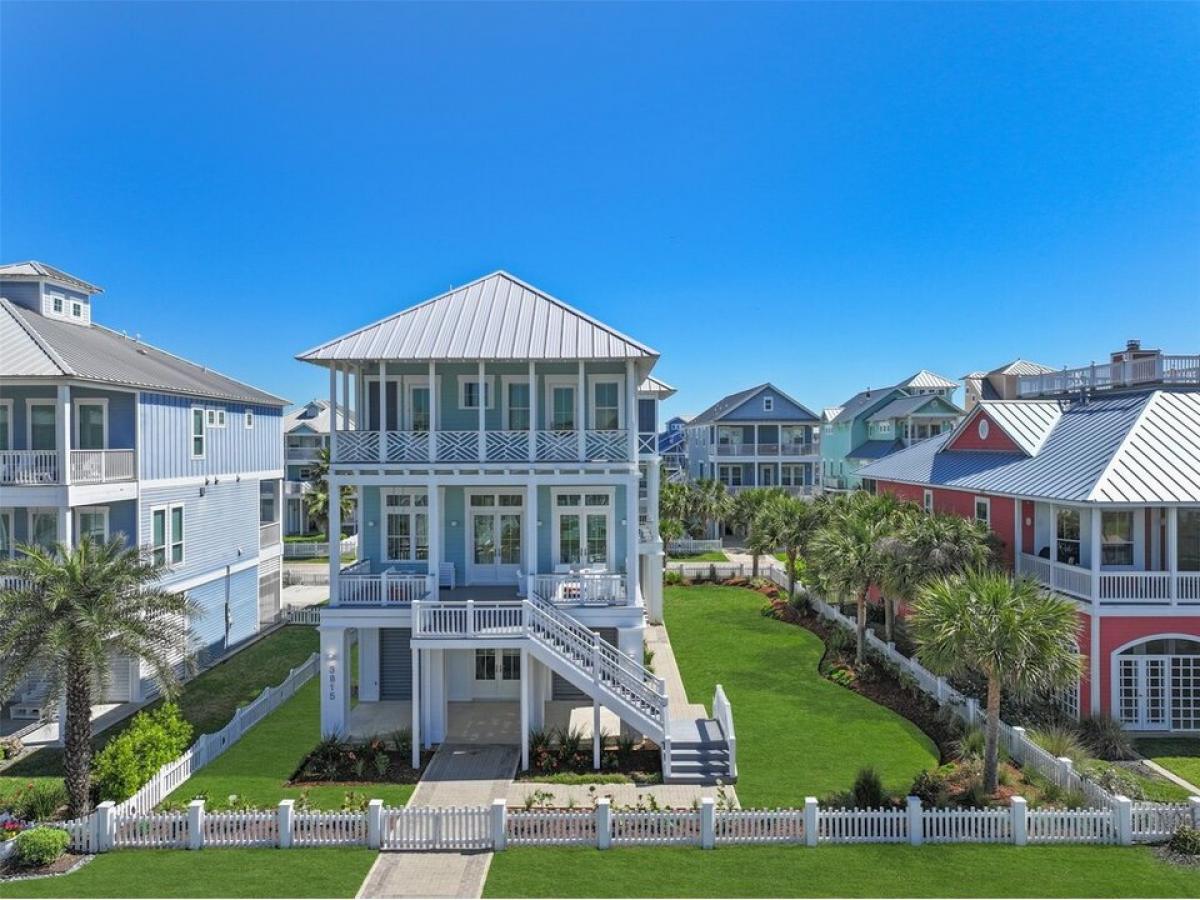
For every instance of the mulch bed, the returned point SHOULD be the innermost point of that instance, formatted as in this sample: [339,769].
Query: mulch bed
[11,870]
[311,774]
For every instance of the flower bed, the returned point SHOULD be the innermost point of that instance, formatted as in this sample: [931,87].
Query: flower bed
[371,761]
[565,756]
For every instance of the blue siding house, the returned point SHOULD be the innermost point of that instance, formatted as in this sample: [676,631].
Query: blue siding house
[102,434]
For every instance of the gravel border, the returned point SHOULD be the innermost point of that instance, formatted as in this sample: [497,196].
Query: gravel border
[79,864]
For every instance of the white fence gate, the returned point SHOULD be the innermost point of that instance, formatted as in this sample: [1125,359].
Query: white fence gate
[448,828]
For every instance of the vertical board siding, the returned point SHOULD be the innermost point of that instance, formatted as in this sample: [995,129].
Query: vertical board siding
[208,624]
[166,450]
[122,426]
[220,527]
[19,397]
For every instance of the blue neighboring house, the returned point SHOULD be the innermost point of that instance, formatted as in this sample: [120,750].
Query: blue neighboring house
[759,437]
[103,434]
[672,443]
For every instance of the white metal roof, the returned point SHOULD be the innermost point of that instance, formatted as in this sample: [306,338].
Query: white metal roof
[1021,367]
[651,385]
[31,270]
[497,317]
[927,379]
[1159,460]
[1027,422]
[314,414]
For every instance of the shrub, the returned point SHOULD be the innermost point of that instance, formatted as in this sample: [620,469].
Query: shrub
[868,790]
[933,787]
[41,846]
[402,741]
[1115,780]
[36,801]
[843,676]
[838,640]
[1107,737]
[1185,841]
[648,658]
[672,577]
[130,759]
[971,744]
[1061,740]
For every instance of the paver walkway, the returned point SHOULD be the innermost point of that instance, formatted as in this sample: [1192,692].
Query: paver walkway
[458,775]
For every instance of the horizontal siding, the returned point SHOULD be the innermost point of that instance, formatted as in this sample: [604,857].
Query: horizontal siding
[166,439]
[208,624]
[220,528]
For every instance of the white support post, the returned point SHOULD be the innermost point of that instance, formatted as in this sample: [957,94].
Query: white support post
[195,825]
[416,708]
[533,410]
[333,453]
[1123,810]
[434,511]
[334,536]
[1019,740]
[916,822]
[1194,803]
[529,541]
[335,681]
[375,824]
[631,540]
[1020,821]
[483,392]
[434,418]
[596,748]
[631,409]
[499,825]
[382,412]
[810,821]
[470,618]
[708,823]
[1172,553]
[526,686]
[333,413]
[603,824]
[581,411]
[105,826]
[1065,768]
[62,434]
[1094,559]
[286,816]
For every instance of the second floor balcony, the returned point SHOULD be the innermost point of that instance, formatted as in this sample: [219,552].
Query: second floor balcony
[526,445]
[52,467]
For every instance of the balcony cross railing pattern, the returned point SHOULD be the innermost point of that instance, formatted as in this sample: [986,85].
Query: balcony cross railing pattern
[501,445]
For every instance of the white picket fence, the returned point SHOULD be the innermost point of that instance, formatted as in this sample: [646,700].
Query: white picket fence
[705,826]
[690,546]
[209,746]
[309,549]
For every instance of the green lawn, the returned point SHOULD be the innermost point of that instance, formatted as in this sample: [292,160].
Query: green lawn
[1179,755]
[798,734]
[870,870]
[324,872]
[710,556]
[256,767]
[208,701]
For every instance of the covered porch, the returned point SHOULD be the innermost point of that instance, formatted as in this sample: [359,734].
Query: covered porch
[480,721]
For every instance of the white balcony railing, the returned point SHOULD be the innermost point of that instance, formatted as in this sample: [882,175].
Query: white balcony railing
[496,446]
[1110,587]
[580,589]
[791,449]
[28,467]
[356,586]
[1151,370]
[102,466]
[792,490]
[269,535]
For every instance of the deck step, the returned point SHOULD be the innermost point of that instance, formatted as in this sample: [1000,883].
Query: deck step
[699,752]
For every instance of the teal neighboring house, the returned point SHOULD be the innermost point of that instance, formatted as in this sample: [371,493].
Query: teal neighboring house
[874,423]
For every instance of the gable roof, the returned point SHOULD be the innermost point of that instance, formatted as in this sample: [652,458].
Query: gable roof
[496,317]
[865,401]
[902,407]
[32,345]
[731,402]
[32,270]
[651,385]
[1129,448]
[314,414]
[1021,367]
[1026,422]
[829,413]
[926,379]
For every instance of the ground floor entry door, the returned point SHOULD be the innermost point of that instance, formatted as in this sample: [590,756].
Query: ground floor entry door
[494,523]
[1144,689]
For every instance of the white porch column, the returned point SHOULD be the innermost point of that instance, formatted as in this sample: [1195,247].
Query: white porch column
[1018,516]
[435,529]
[1173,552]
[596,735]
[653,486]
[416,707]
[345,399]
[631,409]
[332,417]
[581,411]
[427,698]
[533,416]
[482,414]
[382,412]
[439,709]
[1094,663]
[334,536]
[1053,539]
[64,528]
[62,434]
[757,474]
[631,539]
[368,664]
[434,418]
[335,681]
[526,689]
[529,535]
[1097,542]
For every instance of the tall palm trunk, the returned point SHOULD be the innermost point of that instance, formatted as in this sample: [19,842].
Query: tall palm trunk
[77,739]
[860,647]
[791,564]
[753,565]
[889,618]
[991,752]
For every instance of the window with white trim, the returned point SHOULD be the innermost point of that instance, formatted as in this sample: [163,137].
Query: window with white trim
[167,534]
[43,528]
[405,526]
[76,309]
[58,304]
[983,510]
[927,501]
[198,433]
[730,475]
[248,419]
[6,423]
[606,405]
[468,392]
[1116,537]
[562,407]
[1066,533]
[516,405]
[92,522]
[583,528]
[6,533]
[768,404]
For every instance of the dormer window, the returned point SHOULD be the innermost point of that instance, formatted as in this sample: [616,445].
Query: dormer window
[768,404]
[77,309]
[58,305]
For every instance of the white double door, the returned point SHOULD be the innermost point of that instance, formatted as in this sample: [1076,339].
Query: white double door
[494,539]
[1159,693]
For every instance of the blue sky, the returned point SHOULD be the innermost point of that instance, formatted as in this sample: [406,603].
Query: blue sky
[826,197]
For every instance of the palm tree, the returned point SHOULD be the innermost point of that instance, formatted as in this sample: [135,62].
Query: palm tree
[743,514]
[787,523]
[670,530]
[675,501]
[846,551]
[926,546]
[1016,635]
[317,496]
[70,609]
[712,502]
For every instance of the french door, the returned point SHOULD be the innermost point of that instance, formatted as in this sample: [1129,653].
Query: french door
[1144,692]
[494,538]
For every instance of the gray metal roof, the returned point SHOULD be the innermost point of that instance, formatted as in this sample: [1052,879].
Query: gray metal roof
[903,407]
[926,379]
[1129,448]
[32,345]
[1021,367]
[874,449]
[1027,422]
[864,401]
[730,402]
[651,385]
[32,270]
[314,415]
[497,317]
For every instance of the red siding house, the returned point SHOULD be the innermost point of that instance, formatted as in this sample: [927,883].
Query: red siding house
[1097,496]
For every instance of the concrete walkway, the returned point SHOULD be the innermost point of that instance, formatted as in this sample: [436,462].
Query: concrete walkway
[458,775]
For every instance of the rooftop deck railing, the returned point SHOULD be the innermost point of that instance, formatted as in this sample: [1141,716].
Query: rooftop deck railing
[1175,370]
